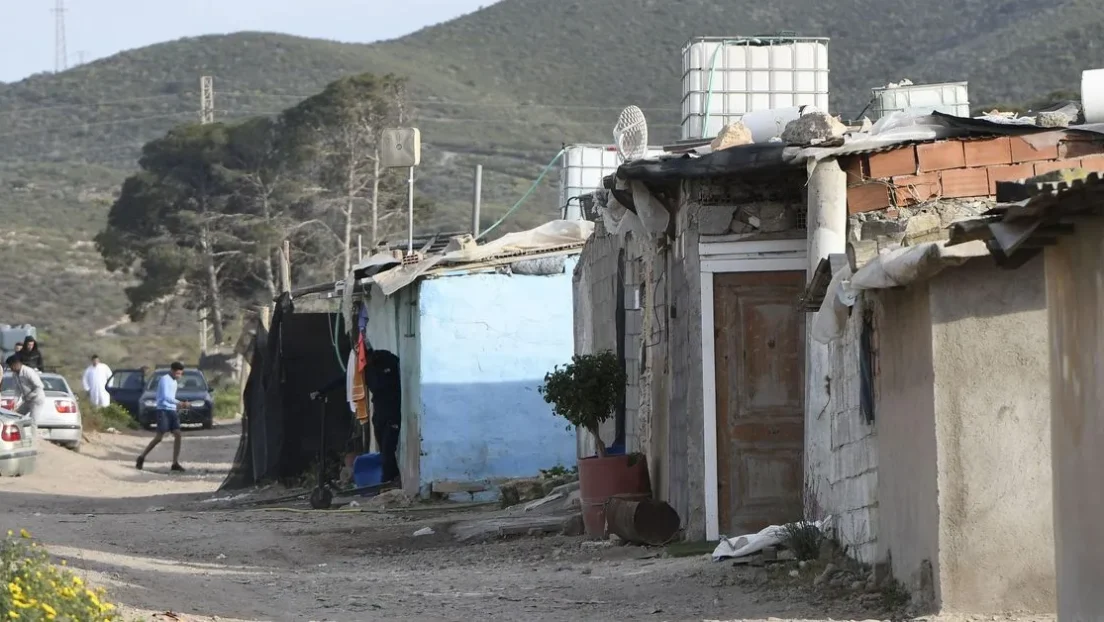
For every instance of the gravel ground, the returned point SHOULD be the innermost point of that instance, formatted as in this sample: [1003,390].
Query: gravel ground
[170,543]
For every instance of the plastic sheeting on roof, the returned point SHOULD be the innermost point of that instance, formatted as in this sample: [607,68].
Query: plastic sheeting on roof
[550,235]
[899,267]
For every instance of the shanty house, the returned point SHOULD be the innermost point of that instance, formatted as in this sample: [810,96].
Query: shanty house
[1063,218]
[880,408]
[475,329]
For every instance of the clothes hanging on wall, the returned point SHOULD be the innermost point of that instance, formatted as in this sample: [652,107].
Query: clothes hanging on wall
[360,391]
[350,377]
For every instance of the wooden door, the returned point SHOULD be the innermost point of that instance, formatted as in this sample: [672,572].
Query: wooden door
[759,332]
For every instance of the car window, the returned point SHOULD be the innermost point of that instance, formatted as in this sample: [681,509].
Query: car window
[192,380]
[50,383]
[126,379]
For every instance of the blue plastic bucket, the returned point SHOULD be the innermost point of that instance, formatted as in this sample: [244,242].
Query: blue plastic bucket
[368,470]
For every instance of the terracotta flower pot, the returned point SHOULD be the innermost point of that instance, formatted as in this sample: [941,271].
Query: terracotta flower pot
[602,478]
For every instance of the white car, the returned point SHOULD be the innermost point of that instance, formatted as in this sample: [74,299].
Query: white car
[18,447]
[60,422]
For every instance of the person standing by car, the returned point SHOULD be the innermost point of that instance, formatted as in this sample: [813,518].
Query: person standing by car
[32,393]
[30,354]
[168,419]
[95,383]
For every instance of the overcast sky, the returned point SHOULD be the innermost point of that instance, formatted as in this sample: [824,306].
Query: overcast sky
[103,27]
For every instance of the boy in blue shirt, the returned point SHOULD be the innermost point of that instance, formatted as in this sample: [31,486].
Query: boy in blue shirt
[168,419]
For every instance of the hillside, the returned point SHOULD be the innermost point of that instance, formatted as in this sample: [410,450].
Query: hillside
[504,87]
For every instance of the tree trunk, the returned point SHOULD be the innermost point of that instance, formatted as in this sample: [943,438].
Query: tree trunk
[350,190]
[269,273]
[214,299]
[599,445]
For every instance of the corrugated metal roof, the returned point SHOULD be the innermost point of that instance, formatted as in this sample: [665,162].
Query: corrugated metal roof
[1016,232]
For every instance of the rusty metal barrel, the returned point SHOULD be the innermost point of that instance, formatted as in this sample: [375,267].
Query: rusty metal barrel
[641,520]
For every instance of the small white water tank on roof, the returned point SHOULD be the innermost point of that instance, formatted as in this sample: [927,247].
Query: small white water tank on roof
[922,99]
[584,167]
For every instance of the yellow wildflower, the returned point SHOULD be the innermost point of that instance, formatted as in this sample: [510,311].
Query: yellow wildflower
[23,533]
[77,581]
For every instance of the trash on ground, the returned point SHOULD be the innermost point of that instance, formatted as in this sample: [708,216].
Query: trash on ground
[744,546]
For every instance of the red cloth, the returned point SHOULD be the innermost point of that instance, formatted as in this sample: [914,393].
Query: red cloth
[362,354]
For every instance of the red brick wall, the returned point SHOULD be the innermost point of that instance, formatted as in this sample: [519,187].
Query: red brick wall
[960,168]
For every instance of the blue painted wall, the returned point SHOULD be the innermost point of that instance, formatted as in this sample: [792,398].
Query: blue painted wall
[487,340]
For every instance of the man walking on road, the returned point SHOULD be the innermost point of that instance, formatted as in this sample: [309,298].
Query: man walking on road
[32,392]
[168,419]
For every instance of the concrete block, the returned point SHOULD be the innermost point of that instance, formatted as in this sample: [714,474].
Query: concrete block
[715,220]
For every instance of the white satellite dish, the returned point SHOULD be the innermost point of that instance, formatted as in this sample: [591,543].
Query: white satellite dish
[631,134]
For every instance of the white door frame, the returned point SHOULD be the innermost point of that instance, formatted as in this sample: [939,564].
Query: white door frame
[718,258]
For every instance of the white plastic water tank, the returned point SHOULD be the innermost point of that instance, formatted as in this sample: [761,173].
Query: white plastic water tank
[583,169]
[725,77]
[922,99]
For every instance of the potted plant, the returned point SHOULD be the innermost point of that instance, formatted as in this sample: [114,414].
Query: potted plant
[587,392]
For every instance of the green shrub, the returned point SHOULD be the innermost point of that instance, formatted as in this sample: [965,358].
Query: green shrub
[111,416]
[586,391]
[33,589]
[803,538]
[226,404]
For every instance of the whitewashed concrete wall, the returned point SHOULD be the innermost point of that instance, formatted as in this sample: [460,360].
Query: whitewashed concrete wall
[841,453]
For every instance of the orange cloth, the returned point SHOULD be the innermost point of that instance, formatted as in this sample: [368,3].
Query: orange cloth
[360,392]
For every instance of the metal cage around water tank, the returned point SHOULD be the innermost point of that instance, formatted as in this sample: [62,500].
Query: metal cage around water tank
[724,78]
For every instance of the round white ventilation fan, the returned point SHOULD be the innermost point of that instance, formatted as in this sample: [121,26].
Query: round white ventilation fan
[631,134]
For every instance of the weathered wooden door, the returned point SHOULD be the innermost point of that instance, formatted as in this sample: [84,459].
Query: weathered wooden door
[759,342]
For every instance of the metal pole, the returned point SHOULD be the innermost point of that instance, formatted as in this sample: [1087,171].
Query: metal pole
[375,201]
[285,267]
[477,200]
[410,215]
[360,249]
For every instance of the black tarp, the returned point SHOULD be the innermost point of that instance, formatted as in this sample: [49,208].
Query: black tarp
[281,427]
[734,161]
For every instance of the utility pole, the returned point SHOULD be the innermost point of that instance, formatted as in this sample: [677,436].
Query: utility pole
[203,332]
[206,115]
[477,200]
[61,56]
[206,99]
[375,201]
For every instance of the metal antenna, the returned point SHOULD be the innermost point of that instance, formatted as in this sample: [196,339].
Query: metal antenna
[206,100]
[61,56]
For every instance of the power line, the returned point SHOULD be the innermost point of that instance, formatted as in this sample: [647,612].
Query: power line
[79,126]
[446,102]
[116,102]
[262,95]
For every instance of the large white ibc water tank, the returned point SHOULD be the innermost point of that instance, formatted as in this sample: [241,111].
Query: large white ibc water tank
[724,78]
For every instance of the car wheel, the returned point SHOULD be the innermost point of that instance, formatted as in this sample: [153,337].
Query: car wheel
[76,447]
[208,424]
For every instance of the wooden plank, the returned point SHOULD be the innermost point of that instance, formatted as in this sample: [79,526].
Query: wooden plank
[505,526]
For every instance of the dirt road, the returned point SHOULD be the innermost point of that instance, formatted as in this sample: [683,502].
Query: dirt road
[162,542]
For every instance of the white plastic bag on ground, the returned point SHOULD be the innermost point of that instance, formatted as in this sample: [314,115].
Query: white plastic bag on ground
[743,546]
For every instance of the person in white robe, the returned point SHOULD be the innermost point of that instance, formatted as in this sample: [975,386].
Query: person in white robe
[95,383]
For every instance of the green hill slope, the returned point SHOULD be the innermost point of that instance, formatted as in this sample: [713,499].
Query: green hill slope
[503,87]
